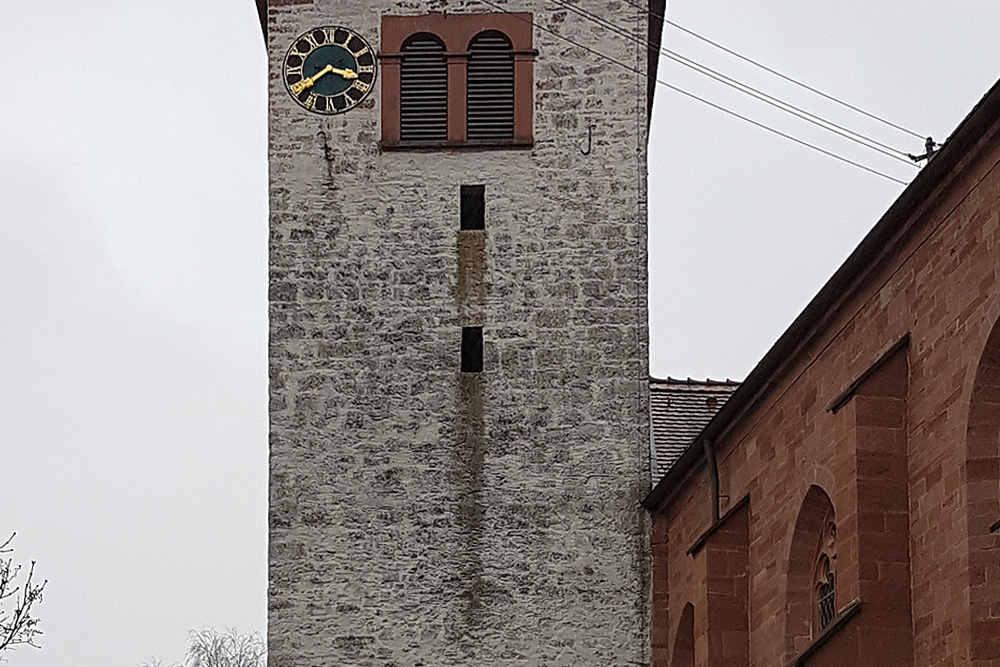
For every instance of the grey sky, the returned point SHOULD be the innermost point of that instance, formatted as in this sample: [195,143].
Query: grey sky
[133,268]
[745,226]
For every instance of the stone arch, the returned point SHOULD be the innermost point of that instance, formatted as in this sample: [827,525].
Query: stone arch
[813,529]
[683,653]
[497,35]
[982,478]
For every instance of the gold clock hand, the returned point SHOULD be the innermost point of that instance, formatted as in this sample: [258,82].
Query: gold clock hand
[346,73]
[311,81]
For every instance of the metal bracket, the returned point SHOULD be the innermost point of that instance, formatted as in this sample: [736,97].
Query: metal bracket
[590,140]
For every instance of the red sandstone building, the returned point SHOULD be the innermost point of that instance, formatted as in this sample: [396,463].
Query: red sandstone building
[841,507]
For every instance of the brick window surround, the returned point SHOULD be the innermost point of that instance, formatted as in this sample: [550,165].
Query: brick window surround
[457,31]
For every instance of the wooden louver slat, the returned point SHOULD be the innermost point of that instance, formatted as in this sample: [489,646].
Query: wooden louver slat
[423,93]
[490,88]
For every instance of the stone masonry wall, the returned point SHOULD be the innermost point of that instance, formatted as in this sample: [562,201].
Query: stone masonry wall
[420,516]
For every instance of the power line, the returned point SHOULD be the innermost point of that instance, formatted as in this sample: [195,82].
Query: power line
[780,133]
[775,72]
[746,89]
[815,119]
[695,97]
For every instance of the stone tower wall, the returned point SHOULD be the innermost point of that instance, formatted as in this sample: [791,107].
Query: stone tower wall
[421,516]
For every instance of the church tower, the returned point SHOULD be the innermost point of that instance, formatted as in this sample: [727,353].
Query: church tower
[458,333]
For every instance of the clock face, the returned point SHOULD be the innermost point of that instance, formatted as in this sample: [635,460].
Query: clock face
[329,70]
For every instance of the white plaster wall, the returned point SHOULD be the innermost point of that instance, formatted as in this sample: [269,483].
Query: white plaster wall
[423,517]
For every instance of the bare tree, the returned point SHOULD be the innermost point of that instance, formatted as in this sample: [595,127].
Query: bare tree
[211,648]
[17,624]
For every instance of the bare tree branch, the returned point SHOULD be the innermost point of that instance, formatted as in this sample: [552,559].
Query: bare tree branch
[211,648]
[18,627]
[156,662]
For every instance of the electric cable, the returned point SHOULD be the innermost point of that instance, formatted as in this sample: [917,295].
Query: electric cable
[746,89]
[743,87]
[775,72]
[702,100]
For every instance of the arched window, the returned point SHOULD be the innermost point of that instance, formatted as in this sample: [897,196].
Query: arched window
[983,505]
[490,87]
[683,654]
[826,605]
[423,90]
[455,80]
[810,597]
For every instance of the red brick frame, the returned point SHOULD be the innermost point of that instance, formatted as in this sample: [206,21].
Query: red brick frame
[457,31]
[883,524]
[727,579]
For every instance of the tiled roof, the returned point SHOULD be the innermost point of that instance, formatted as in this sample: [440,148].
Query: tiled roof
[679,410]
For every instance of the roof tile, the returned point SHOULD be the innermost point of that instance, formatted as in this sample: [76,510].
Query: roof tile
[679,410]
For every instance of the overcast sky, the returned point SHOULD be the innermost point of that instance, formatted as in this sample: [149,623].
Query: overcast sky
[133,308]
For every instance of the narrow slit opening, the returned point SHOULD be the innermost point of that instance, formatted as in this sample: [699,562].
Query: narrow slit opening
[472,349]
[473,207]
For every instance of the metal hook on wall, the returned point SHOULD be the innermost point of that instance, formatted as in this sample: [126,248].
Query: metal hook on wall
[590,140]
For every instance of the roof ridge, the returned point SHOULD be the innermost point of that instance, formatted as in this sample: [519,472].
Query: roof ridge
[708,382]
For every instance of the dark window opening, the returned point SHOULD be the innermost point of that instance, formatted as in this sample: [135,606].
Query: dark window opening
[472,349]
[423,90]
[473,207]
[490,88]
[827,606]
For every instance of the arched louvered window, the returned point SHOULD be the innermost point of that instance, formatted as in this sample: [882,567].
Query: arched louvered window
[454,81]
[490,87]
[423,90]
